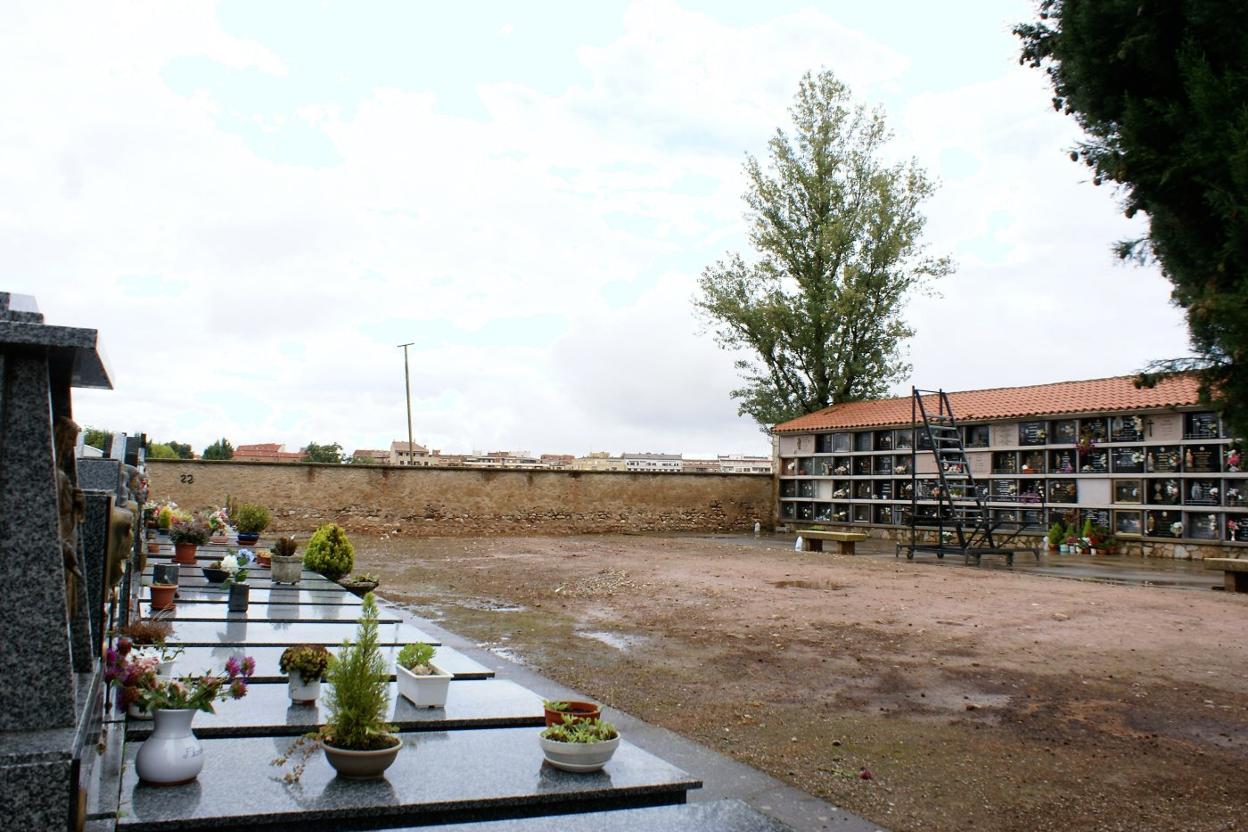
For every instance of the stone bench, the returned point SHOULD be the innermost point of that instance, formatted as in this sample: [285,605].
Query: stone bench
[812,540]
[1234,572]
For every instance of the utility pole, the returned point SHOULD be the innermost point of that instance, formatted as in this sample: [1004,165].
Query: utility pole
[407,383]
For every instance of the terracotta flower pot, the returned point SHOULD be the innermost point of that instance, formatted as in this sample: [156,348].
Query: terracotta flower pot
[264,557]
[578,710]
[184,553]
[162,596]
[153,548]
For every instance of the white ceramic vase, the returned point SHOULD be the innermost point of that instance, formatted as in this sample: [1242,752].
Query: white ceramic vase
[171,755]
[301,692]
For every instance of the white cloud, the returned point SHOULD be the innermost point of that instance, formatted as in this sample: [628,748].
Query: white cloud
[245,296]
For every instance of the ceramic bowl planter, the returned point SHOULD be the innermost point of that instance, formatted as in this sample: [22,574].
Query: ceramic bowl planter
[428,691]
[358,588]
[215,575]
[184,553]
[287,570]
[577,710]
[240,596]
[362,765]
[162,596]
[579,756]
[247,539]
[171,755]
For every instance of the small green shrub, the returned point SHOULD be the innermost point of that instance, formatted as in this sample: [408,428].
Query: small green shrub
[417,655]
[356,705]
[329,552]
[1056,533]
[581,730]
[251,519]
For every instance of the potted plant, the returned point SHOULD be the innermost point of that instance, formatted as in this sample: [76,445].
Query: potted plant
[172,755]
[127,672]
[329,552]
[219,526]
[361,583]
[163,517]
[1054,537]
[187,536]
[287,567]
[579,744]
[559,712]
[163,596]
[235,565]
[264,557]
[306,665]
[357,740]
[250,520]
[425,684]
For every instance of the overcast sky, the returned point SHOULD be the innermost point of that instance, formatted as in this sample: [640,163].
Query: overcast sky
[255,202]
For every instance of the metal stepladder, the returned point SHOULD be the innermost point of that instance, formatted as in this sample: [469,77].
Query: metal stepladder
[960,518]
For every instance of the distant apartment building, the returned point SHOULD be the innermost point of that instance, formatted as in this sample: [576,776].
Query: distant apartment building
[557,460]
[501,459]
[700,466]
[737,464]
[598,461]
[265,452]
[649,463]
[371,457]
[401,453]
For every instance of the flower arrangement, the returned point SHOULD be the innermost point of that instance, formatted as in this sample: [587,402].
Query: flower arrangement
[1234,457]
[189,530]
[219,521]
[1085,444]
[197,692]
[310,661]
[234,564]
[129,672]
[1176,528]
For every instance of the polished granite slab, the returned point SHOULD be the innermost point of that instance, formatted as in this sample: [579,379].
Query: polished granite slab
[712,816]
[270,612]
[267,595]
[248,633]
[266,710]
[268,669]
[192,576]
[437,777]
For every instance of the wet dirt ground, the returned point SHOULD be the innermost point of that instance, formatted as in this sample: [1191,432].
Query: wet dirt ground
[923,697]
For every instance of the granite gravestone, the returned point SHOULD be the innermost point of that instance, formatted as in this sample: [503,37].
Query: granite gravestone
[50,691]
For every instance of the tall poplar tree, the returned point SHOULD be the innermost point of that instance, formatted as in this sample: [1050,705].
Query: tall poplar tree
[837,233]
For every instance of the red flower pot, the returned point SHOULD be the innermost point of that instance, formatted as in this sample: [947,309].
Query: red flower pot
[162,596]
[184,553]
[577,710]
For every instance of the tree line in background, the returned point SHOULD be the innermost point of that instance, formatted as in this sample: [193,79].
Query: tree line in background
[222,449]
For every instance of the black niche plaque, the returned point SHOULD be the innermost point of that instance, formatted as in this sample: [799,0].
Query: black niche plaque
[1128,460]
[1032,433]
[1202,459]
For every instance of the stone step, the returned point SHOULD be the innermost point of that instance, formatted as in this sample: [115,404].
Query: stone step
[258,633]
[438,777]
[712,816]
[199,659]
[266,710]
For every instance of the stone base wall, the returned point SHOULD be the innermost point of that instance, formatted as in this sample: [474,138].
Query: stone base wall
[1126,546]
[438,502]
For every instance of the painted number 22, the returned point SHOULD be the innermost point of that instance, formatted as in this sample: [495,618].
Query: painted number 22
[188,478]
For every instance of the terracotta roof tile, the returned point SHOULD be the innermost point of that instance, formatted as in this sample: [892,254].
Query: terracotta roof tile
[1094,396]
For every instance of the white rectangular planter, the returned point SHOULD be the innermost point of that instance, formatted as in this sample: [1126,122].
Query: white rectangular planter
[424,691]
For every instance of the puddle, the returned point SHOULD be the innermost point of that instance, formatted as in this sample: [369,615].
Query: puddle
[807,585]
[503,652]
[489,605]
[616,640]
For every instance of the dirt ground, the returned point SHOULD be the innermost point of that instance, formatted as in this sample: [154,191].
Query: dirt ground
[921,697]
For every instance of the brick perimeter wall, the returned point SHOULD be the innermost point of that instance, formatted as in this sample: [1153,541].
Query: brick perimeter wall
[435,502]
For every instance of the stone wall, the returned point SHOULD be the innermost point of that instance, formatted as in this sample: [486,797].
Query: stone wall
[434,502]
